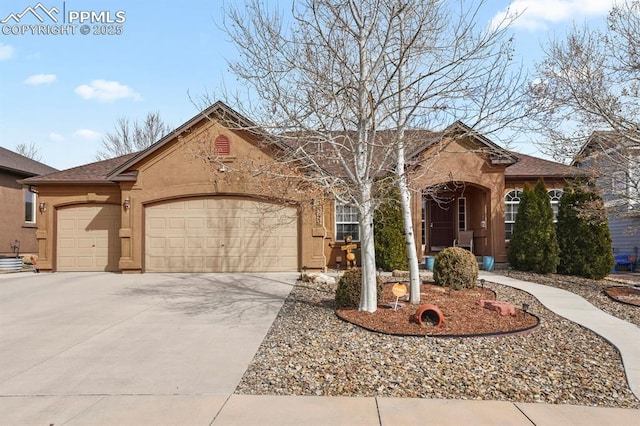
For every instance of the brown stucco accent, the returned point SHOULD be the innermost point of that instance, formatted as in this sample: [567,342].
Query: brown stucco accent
[467,166]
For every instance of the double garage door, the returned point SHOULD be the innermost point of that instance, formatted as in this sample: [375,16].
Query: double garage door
[220,235]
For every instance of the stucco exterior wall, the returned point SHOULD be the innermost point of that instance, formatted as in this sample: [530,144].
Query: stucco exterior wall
[467,165]
[12,225]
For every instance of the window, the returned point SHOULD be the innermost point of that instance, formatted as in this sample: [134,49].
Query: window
[554,197]
[29,206]
[511,201]
[347,222]
[462,214]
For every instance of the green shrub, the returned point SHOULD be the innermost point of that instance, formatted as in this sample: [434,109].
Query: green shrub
[583,234]
[350,288]
[534,245]
[456,268]
[388,234]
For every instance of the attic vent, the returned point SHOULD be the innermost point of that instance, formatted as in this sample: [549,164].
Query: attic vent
[222,145]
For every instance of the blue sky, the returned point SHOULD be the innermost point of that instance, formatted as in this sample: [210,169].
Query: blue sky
[65,92]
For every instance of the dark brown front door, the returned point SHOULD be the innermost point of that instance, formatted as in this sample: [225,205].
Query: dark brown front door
[441,230]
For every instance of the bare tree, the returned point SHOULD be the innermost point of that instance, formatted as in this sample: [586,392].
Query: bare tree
[132,137]
[339,82]
[29,151]
[587,88]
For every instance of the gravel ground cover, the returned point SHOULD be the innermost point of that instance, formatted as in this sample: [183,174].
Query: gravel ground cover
[309,351]
[591,290]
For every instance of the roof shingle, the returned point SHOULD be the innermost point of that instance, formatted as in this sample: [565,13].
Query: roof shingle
[532,167]
[89,173]
[21,165]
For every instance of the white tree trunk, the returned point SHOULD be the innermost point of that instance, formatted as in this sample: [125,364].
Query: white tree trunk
[369,295]
[412,253]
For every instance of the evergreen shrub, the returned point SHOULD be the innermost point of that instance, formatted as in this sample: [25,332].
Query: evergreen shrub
[456,268]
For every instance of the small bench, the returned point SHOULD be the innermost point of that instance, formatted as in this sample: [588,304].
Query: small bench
[623,260]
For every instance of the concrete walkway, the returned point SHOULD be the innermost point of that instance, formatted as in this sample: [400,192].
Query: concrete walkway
[622,334]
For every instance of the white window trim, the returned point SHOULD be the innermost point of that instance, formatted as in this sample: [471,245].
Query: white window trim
[33,206]
[519,196]
[337,222]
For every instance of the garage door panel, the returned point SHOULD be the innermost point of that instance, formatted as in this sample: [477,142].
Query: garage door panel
[195,243]
[225,235]
[87,238]
[176,223]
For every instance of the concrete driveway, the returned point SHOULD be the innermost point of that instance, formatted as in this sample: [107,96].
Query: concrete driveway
[79,348]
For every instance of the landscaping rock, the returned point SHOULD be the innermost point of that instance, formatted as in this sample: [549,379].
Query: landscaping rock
[318,278]
[504,308]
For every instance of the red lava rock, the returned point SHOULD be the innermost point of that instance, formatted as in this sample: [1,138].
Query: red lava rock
[504,308]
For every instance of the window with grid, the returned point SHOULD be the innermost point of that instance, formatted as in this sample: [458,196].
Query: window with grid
[347,222]
[462,214]
[511,202]
[554,197]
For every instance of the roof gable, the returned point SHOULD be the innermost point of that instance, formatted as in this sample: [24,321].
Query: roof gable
[497,154]
[219,112]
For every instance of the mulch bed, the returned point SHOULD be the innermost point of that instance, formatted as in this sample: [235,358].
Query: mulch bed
[625,294]
[463,315]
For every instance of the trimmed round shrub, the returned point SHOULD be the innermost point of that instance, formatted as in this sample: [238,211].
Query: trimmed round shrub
[456,268]
[350,288]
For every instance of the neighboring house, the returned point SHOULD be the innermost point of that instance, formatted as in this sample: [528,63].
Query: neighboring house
[18,204]
[170,208]
[616,165]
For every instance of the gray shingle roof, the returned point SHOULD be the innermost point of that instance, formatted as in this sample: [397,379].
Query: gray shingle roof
[89,173]
[21,165]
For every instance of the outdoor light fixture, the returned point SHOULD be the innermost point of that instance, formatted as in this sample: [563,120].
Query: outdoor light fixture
[126,204]
[525,306]
[43,207]
[482,283]
[379,271]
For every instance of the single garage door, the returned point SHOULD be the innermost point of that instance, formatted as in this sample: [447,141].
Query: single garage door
[220,235]
[88,238]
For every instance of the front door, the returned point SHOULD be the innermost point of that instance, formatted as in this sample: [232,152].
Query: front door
[441,230]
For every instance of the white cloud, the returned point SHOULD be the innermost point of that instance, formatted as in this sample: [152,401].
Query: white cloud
[106,91]
[6,51]
[40,79]
[86,134]
[56,137]
[536,14]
